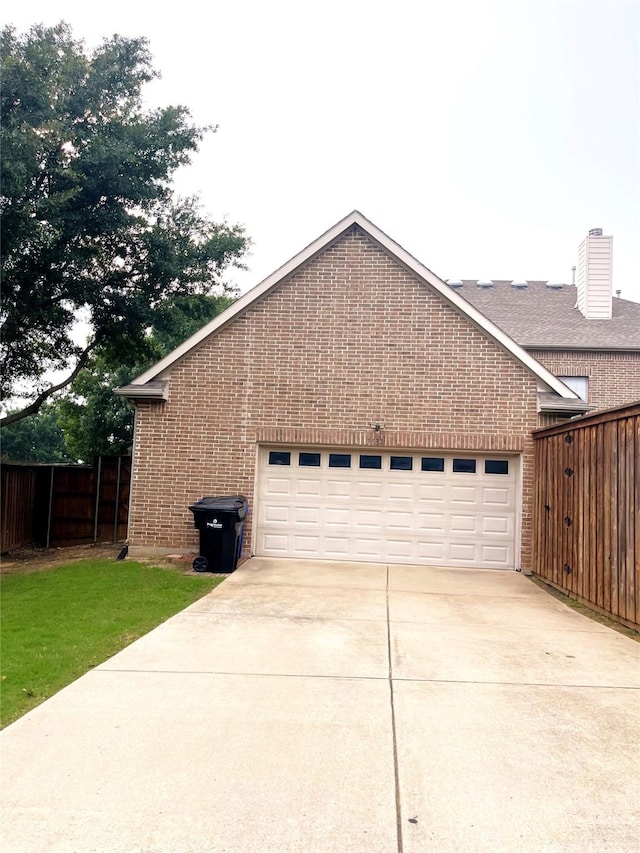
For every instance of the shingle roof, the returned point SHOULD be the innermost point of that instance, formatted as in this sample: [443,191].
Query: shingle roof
[539,316]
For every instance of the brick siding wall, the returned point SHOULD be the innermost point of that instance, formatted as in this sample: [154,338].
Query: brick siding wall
[349,340]
[614,377]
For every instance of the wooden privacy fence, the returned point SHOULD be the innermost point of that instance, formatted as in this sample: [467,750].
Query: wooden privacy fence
[587,510]
[65,504]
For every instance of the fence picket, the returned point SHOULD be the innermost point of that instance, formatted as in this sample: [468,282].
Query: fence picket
[64,504]
[602,498]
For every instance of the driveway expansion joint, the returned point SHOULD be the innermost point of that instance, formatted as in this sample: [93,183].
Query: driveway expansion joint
[279,616]
[393,730]
[519,683]
[113,670]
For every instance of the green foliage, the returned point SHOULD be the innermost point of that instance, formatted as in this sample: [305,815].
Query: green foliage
[90,419]
[36,439]
[58,623]
[94,419]
[90,226]
[177,320]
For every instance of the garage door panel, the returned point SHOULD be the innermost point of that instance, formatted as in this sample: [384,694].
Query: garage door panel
[367,547]
[406,514]
[498,556]
[399,520]
[306,544]
[492,496]
[337,517]
[431,551]
[366,490]
[400,549]
[464,495]
[336,546]
[400,492]
[277,513]
[497,525]
[306,515]
[308,488]
[463,523]
[431,493]
[276,543]
[368,518]
[431,521]
[279,486]
[339,489]
[463,552]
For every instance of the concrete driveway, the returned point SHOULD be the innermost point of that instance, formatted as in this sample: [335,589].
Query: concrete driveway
[318,707]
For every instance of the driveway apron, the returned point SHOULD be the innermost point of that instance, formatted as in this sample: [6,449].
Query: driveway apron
[324,707]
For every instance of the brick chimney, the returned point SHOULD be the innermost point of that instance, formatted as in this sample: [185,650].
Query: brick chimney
[595,275]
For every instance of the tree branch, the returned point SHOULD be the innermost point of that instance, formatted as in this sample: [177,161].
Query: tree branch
[34,407]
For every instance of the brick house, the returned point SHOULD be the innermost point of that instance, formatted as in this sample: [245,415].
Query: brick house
[594,347]
[367,409]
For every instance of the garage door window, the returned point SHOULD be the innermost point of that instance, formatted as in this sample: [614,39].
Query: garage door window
[309,460]
[339,460]
[432,463]
[401,463]
[279,457]
[496,466]
[464,466]
[374,462]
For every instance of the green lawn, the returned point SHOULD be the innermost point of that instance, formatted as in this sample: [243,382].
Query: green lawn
[58,623]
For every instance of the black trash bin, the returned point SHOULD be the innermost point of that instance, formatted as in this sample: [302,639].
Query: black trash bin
[220,521]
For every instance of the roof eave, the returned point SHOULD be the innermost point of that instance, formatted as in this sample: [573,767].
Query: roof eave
[154,390]
[563,407]
[567,347]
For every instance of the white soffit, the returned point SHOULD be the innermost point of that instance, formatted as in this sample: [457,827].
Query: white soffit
[406,259]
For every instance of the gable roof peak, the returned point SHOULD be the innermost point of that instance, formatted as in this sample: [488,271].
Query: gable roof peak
[396,251]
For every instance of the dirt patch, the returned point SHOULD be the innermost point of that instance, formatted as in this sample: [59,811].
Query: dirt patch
[32,559]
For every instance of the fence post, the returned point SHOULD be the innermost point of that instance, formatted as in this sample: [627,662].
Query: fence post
[117,511]
[50,508]
[97,504]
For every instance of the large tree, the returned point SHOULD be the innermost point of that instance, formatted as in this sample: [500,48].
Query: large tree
[88,419]
[36,439]
[91,229]
[96,421]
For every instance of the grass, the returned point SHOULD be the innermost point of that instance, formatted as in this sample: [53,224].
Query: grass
[57,624]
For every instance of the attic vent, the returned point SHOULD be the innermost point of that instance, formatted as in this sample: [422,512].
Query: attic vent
[555,285]
[485,283]
[454,282]
[519,285]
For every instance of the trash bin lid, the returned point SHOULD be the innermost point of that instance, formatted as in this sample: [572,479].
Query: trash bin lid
[234,503]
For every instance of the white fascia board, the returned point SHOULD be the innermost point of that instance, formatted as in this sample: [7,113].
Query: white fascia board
[406,259]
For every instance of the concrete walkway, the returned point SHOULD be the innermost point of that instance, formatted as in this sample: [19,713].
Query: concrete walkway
[320,707]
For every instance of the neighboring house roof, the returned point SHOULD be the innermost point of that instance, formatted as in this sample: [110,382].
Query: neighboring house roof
[162,368]
[543,317]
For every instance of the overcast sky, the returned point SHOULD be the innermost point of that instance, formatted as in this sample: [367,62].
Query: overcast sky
[486,137]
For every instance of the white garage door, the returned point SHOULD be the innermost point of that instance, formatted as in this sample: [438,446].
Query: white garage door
[429,508]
